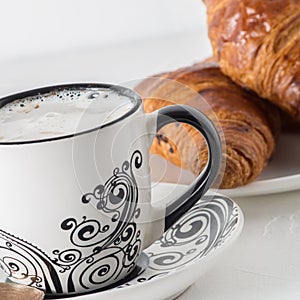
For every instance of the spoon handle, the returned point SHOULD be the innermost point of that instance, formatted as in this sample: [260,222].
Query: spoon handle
[14,291]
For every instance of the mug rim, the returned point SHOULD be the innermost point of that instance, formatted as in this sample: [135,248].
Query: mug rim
[131,94]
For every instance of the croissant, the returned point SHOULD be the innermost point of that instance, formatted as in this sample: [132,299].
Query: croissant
[249,124]
[257,45]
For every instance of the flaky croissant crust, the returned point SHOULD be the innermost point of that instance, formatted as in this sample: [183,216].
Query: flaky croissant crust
[257,45]
[250,125]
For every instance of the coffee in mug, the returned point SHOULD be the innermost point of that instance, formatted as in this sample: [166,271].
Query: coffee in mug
[59,113]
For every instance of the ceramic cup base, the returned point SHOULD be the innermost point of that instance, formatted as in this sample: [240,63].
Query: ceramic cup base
[141,266]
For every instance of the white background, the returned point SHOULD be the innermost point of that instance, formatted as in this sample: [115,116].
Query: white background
[36,27]
[47,42]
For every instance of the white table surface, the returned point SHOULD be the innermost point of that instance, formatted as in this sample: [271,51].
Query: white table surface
[265,262]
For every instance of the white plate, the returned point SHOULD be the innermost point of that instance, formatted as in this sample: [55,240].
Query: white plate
[185,252]
[281,174]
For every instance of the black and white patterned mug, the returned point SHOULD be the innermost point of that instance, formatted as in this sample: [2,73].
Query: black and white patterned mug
[76,207]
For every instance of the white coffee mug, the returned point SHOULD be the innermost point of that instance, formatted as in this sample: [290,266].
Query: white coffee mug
[76,210]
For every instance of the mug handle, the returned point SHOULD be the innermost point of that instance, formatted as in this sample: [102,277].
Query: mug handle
[191,116]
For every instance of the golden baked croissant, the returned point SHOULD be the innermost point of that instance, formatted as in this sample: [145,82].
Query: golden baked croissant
[257,43]
[250,125]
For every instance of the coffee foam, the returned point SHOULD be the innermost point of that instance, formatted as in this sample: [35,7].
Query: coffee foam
[60,113]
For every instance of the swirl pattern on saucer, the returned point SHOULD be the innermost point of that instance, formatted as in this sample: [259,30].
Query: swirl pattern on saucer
[205,228]
[98,253]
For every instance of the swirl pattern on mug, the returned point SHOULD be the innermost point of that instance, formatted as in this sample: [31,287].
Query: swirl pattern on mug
[99,253]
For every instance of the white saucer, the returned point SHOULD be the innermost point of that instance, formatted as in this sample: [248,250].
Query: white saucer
[184,253]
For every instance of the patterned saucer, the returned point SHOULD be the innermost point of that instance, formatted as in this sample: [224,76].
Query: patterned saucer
[184,253]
